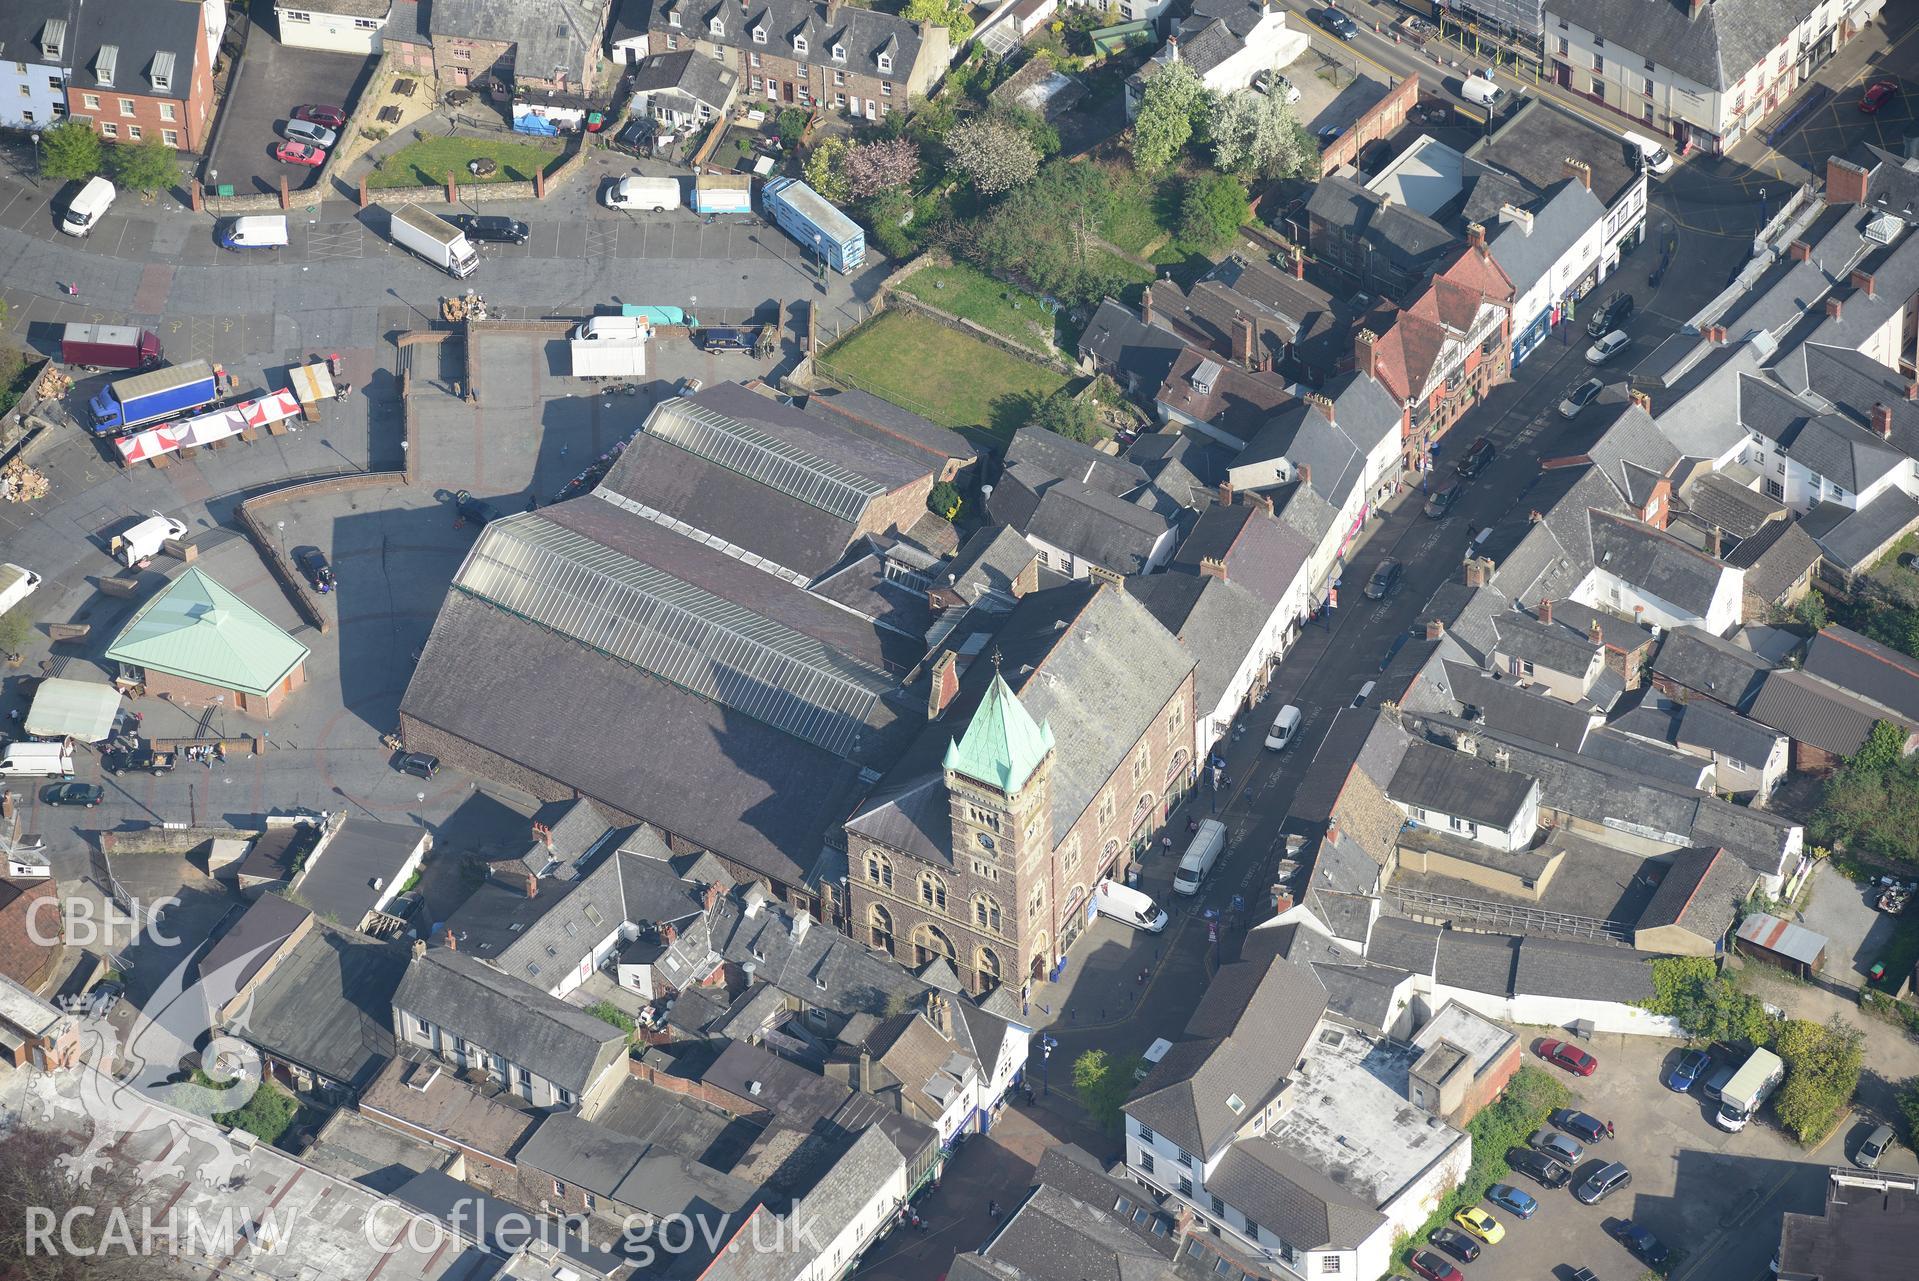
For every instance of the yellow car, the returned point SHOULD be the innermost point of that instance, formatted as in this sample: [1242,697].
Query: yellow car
[1480,1224]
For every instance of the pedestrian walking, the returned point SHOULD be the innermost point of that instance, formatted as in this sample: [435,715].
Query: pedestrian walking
[70,290]
[1609,1133]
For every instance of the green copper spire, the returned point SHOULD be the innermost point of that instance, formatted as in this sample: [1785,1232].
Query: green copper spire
[1003,744]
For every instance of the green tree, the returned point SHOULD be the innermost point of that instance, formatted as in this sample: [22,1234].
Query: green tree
[1103,1082]
[1175,103]
[1884,747]
[1706,1005]
[1874,810]
[1044,137]
[944,501]
[1068,416]
[1212,208]
[607,1012]
[1822,1071]
[1909,1107]
[265,1115]
[1811,610]
[1256,134]
[955,15]
[70,150]
[792,124]
[826,168]
[144,166]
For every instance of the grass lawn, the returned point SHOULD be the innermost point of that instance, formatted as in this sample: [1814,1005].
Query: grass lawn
[950,378]
[1143,211]
[970,293]
[427,163]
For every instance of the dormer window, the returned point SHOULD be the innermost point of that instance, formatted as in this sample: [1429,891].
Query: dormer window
[163,64]
[759,34]
[839,53]
[799,45]
[716,24]
[673,18]
[886,62]
[105,62]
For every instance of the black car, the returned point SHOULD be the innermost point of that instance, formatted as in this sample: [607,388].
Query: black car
[1337,23]
[87,794]
[1384,579]
[1612,313]
[1539,1167]
[725,340]
[1455,1243]
[1650,1250]
[494,227]
[418,764]
[1579,1125]
[1441,500]
[312,563]
[1477,456]
[474,511]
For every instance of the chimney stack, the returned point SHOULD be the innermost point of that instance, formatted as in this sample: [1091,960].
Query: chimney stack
[419,948]
[1641,399]
[711,897]
[1322,404]
[1578,170]
[1146,305]
[1476,236]
[945,684]
[1225,493]
[532,885]
[543,834]
[1299,263]
[1801,251]
[1863,280]
[1172,48]
[1545,611]
[1478,571]
[832,11]
[1366,353]
[1243,342]
[1846,182]
[1212,567]
[1882,421]
[1595,633]
[1716,335]
[1262,501]
[1435,629]
[1306,474]
[1912,391]
[1833,309]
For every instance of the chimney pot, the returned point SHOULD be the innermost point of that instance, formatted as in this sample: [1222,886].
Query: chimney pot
[1322,404]
[1641,399]
[1579,170]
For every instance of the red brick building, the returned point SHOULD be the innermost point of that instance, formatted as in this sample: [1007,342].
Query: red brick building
[143,70]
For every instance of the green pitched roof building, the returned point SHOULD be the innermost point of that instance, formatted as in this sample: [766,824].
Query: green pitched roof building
[198,643]
[1003,744]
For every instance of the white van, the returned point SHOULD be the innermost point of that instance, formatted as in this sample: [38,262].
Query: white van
[37,760]
[1201,853]
[640,192]
[1150,1060]
[88,207]
[255,231]
[1648,155]
[16,584]
[1285,725]
[1128,906]
[1482,91]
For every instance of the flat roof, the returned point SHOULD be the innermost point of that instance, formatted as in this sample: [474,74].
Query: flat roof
[1481,1039]
[1426,176]
[1535,142]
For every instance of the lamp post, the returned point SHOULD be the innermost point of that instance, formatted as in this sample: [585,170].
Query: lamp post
[1046,1044]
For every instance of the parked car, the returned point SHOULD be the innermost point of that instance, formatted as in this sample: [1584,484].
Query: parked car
[1539,1167]
[474,511]
[1273,82]
[1611,314]
[1444,495]
[87,795]
[1337,23]
[1608,347]
[1603,1182]
[418,764]
[1384,579]
[1877,95]
[326,117]
[1686,1073]
[688,386]
[494,227]
[1867,1158]
[1580,397]
[1480,1224]
[1478,454]
[1455,1243]
[1508,1197]
[1557,1146]
[1579,1125]
[1569,1056]
[299,153]
[312,563]
[1365,692]
[308,132]
[1649,1249]
[1434,1267]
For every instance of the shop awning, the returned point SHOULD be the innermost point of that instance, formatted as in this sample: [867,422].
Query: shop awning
[82,710]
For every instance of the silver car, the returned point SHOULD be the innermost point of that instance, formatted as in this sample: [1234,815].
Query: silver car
[1873,1148]
[308,132]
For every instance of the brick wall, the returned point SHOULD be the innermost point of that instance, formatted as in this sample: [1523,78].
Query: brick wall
[192,693]
[1384,120]
[726,1101]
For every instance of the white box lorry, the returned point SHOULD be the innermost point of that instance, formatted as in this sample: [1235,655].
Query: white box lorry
[610,347]
[143,541]
[16,584]
[1740,1097]
[433,238]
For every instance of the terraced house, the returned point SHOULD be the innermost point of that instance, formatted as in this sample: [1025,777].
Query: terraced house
[799,53]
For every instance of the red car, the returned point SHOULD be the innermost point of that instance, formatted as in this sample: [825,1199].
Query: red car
[1434,1267]
[299,153]
[331,117]
[1877,95]
[1568,1056]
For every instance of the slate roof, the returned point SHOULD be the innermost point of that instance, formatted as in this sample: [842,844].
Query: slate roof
[1714,49]
[1695,658]
[254,939]
[1561,649]
[1052,454]
[328,1005]
[1864,667]
[1655,562]
[1865,532]
[1286,1195]
[1077,518]
[1532,142]
[886,420]
[1258,552]
[549,34]
[1117,339]
[685,71]
[1503,704]
[1409,945]
[1811,711]
[1219,621]
[1647,760]
[338,881]
[141,30]
[1251,1024]
[1581,971]
[196,628]
[1208,389]
[1700,893]
[1724,732]
[1437,778]
[1078,1224]
[865,33]
[1566,215]
[989,563]
[644,1176]
[1405,237]
[1723,503]
[1476,962]
[509,1017]
[1775,559]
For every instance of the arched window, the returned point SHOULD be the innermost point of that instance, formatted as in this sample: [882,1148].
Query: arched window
[986,912]
[933,892]
[929,942]
[880,921]
[986,961]
[879,869]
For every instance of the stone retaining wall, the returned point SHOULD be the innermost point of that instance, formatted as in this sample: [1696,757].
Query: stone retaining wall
[228,206]
[907,302]
[453,192]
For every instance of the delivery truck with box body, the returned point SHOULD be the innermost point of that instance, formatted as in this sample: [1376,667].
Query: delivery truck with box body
[110,347]
[811,219]
[126,403]
[1740,1097]
[425,233]
[610,347]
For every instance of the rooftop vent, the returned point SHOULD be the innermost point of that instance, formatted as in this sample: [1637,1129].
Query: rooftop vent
[753,1088]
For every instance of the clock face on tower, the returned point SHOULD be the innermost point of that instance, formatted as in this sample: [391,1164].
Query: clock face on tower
[985,841]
